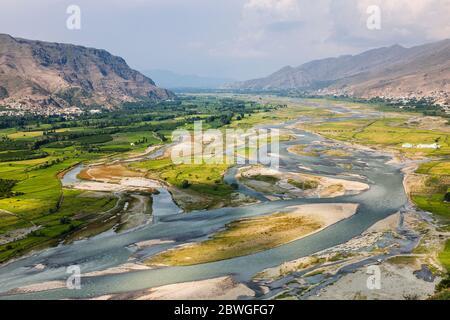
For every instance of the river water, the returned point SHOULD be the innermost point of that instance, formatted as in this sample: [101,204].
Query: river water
[385,197]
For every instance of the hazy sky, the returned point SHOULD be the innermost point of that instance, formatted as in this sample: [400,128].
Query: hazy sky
[240,39]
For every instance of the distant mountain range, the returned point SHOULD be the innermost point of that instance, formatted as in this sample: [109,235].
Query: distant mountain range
[390,72]
[172,80]
[37,74]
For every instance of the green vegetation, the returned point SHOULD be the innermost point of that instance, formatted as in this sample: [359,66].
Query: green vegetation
[21,155]
[75,210]
[425,106]
[25,134]
[276,112]
[265,178]
[303,150]
[403,132]
[443,288]
[35,149]
[204,180]
[444,256]
[433,203]
[6,187]
[240,238]
[388,132]
[402,260]
[96,139]
[336,153]
[134,140]
[304,185]
[435,168]
[431,196]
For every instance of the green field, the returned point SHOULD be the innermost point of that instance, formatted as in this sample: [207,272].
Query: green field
[433,203]
[34,150]
[205,180]
[25,134]
[240,238]
[17,155]
[394,131]
[444,256]
[138,140]
[388,132]
[435,168]
[431,196]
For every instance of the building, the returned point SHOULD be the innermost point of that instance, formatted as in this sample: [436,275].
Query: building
[428,146]
[421,146]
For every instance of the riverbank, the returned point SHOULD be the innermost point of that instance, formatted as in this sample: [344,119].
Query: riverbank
[247,236]
[404,247]
[275,184]
[111,250]
[223,288]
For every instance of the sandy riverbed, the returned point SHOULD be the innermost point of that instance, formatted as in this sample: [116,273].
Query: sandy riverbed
[125,184]
[38,287]
[325,213]
[114,178]
[251,235]
[324,187]
[126,267]
[223,288]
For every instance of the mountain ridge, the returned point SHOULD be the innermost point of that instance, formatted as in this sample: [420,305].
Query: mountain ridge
[393,72]
[40,75]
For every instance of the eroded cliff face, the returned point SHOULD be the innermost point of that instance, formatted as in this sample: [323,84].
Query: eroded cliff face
[42,74]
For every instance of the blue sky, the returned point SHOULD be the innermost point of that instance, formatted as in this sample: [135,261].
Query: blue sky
[239,39]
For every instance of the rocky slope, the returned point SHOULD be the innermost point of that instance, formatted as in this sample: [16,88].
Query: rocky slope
[42,75]
[394,72]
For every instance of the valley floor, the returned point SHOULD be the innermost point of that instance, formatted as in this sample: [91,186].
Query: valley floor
[407,248]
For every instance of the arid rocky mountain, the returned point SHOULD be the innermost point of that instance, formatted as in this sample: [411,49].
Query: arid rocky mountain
[43,75]
[391,72]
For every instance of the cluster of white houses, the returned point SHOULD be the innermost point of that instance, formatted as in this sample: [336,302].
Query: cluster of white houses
[421,146]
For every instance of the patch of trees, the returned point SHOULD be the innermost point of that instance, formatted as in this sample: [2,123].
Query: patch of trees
[161,136]
[6,187]
[99,127]
[21,155]
[423,105]
[47,164]
[9,144]
[29,119]
[185,184]
[141,141]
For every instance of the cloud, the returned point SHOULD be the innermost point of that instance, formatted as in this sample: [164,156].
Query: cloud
[402,21]
[283,28]
[259,18]
[232,38]
[270,11]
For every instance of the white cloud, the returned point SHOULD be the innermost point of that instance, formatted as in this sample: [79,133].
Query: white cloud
[270,11]
[280,32]
[233,38]
[258,19]
[402,21]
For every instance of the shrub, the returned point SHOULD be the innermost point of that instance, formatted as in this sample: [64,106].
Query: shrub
[447,197]
[65,220]
[185,184]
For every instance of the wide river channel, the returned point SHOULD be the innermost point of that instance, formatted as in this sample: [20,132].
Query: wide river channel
[385,197]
